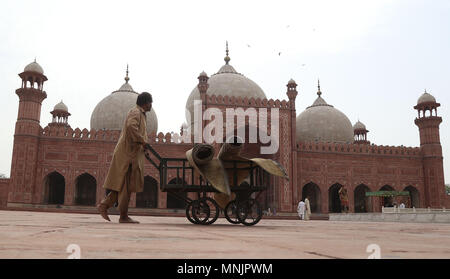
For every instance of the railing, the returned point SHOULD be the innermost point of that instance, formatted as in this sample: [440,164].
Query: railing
[413,210]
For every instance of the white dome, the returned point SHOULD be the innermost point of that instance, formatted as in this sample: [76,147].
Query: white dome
[226,82]
[111,112]
[34,67]
[61,106]
[426,98]
[322,122]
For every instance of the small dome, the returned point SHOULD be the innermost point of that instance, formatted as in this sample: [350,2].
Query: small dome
[34,67]
[359,125]
[322,122]
[61,106]
[111,112]
[426,98]
[203,74]
[291,81]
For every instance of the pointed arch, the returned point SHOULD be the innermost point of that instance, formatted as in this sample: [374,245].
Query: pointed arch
[414,196]
[149,197]
[361,202]
[387,201]
[312,192]
[175,202]
[54,188]
[334,202]
[85,190]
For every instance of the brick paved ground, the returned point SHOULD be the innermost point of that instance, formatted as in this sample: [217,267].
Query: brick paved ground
[25,234]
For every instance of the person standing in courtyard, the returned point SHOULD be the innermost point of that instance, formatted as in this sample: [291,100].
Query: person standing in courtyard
[126,172]
[307,209]
[301,210]
[343,196]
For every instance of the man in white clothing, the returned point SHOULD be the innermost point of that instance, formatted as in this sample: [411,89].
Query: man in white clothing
[301,209]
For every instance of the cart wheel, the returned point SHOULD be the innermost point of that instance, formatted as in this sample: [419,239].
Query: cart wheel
[189,209]
[213,209]
[200,212]
[230,212]
[249,212]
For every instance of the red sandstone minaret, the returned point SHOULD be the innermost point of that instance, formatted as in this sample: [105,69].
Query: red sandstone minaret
[431,149]
[26,135]
[292,94]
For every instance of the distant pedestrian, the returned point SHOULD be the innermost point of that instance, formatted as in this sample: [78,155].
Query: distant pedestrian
[402,205]
[301,210]
[307,209]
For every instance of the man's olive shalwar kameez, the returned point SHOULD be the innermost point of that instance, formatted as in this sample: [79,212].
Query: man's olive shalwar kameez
[126,172]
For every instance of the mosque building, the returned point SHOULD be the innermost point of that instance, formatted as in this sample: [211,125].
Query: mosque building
[55,164]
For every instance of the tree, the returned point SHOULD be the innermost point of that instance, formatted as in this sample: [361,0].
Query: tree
[2,175]
[447,189]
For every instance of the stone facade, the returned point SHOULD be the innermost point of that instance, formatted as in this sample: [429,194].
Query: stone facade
[61,165]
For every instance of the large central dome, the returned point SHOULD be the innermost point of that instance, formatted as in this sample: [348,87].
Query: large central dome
[111,112]
[324,123]
[226,82]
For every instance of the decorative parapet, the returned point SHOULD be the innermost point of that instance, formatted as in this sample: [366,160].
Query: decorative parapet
[327,147]
[77,134]
[103,135]
[246,102]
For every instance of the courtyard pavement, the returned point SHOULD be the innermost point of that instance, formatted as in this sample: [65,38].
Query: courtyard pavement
[25,234]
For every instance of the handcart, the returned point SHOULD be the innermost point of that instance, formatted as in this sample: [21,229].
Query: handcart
[204,210]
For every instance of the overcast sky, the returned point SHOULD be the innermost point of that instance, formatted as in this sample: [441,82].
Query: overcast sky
[374,58]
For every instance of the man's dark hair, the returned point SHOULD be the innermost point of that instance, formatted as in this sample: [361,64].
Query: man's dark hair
[144,98]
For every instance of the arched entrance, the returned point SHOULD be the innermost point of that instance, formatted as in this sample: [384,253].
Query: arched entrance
[55,186]
[85,189]
[387,201]
[175,202]
[362,204]
[414,196]
[312,192]
[334,202]
[149,197]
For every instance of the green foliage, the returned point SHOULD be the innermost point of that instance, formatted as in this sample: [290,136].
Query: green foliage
[447,189]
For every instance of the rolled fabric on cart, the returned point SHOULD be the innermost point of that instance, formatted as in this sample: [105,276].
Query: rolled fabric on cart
[220,172]
[200,157]
[230,151]
[202,153]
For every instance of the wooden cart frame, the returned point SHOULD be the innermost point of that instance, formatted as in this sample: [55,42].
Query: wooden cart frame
[204,210]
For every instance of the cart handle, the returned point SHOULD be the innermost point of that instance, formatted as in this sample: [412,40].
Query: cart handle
[153,151]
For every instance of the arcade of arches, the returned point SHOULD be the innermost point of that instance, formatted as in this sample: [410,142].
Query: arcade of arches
[361,203]
[86,191]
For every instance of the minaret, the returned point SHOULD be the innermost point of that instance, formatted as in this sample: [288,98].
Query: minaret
[292,168]
[26,135]
[431,149]
[197,135]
